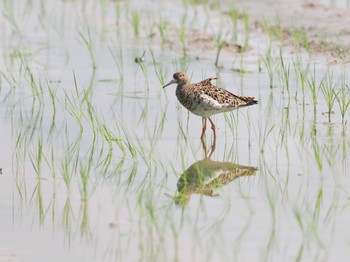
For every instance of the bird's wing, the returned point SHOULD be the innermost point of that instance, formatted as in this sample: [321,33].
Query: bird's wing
[218,97]
[225,98]
[207,82]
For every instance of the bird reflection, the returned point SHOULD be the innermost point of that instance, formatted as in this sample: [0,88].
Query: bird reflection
[203,176]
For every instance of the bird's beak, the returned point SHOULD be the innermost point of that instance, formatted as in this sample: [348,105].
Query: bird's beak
[173,81]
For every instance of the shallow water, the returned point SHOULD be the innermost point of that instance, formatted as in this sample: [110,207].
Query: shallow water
[91,157]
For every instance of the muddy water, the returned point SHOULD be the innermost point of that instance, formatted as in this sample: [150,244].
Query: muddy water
[72,190]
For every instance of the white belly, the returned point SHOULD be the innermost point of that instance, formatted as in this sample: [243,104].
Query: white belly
[207,106]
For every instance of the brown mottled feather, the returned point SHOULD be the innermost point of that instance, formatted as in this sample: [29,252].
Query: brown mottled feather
[222,95]
[207,82]
[205,99]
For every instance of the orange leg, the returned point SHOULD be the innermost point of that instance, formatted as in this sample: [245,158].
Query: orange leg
[213,128]
[202,138]
[214,143]
[204,120]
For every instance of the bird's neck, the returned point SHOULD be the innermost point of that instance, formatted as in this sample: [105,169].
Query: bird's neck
[182,85]
[180,88]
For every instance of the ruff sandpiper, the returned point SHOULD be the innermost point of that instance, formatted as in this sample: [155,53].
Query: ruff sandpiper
[204,99]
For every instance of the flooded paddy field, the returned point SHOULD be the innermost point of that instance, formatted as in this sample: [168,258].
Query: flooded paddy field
[99,163]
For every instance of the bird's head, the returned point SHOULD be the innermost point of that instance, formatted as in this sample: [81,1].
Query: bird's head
[179,78]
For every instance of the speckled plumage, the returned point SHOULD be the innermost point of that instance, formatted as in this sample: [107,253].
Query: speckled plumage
[204,99]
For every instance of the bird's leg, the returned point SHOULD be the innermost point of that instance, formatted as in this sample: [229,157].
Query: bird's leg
[214,143]
[212,126]
[204,120]
[214,132]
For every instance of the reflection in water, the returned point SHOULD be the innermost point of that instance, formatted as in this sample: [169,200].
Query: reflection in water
[203,176]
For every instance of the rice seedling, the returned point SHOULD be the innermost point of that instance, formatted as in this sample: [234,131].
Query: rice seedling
[263,134]
[163,29]
[36,87]
[73,108]
[117,55]
[9,15]
[219,45]
[268,61]
[88,42]
[284,73]
[84,175]
[314,88]
[300,37]
[151,29]
[331,151]
[36,119]
[182,34]
[143,66]
[85,225]
[273,232]
[342,96]
[53,100]
[179,65]
[328,92]
[318,203]
[301,74]
[273,30]
[69,162]
[136,19]
[231,120]
[318,153]
[259,63]
[118,15]
[234,15]
[37,159]
[285,125]
[245,18]
[67,216]
[159,69]
[37,166]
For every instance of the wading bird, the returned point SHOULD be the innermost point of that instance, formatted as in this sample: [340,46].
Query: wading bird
[204,99]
